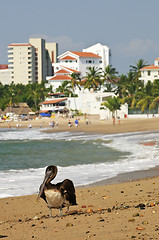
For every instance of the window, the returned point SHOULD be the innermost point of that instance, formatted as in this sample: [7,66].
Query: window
[100,61]
[149,73]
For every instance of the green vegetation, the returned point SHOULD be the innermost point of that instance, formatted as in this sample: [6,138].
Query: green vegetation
[127,89]
[113,104]
[32,94]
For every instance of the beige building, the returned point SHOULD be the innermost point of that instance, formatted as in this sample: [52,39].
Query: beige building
[31,62]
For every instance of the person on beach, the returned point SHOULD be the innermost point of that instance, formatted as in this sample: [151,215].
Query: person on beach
[53,124]
[76,122]
[113,120]
[119,120]
[69,123]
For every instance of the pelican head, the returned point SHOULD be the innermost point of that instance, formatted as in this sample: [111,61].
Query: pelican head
[50,174]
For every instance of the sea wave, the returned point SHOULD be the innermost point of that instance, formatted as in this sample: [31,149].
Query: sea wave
[16,182]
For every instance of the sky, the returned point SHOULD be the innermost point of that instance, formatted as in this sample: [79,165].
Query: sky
[129,28]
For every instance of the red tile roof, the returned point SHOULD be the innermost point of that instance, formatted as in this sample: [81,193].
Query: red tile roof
[86,54]
[73,70]
[3,66]
[61,77]
[68,58]
[62,71]
[157,59]
[151,67]
[53,101]
[44,111]
[19,44]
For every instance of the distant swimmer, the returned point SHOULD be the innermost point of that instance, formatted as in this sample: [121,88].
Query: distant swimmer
[57,195]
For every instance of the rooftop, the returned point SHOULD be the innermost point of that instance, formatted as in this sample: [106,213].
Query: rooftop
[151,67]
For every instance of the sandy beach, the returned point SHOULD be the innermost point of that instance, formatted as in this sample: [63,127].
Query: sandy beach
[95,125]
[125,207]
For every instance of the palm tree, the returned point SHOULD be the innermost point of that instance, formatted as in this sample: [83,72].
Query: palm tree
[93,78]
[75,81]
[64,88]
[108,87]
[132,90]
[146,97]
[121,86]
[136,69]
[109,78]
[113,104]
[155,102]
[109,73]
[34,95]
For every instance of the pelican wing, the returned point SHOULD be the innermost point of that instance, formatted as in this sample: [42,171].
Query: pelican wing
[68,190]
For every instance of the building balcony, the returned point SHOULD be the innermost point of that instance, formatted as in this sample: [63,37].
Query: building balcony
[53,108]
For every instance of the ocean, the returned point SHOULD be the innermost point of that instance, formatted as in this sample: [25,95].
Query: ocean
[83,158]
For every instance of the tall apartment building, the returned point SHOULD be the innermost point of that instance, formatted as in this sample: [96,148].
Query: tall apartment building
[31,62]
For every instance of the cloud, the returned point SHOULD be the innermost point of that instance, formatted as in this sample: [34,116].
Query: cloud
[65,43]
[137,47]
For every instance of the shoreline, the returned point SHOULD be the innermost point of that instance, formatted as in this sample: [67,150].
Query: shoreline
[95,126]
[123,207]
[127,177]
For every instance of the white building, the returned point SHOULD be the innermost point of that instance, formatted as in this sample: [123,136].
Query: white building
[95,56]
[87,102]
[150,73]
[5,77]
[102,51]
[53,105]
[31,62]
[60,76]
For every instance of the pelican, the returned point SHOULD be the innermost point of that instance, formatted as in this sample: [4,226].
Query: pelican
[57,195]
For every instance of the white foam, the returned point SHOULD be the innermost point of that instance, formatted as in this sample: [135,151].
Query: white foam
[24,182]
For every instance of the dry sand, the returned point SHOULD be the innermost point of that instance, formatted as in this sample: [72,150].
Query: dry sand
[123,210]
[95,125]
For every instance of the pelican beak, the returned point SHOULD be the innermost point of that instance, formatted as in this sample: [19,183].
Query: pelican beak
[42,187]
